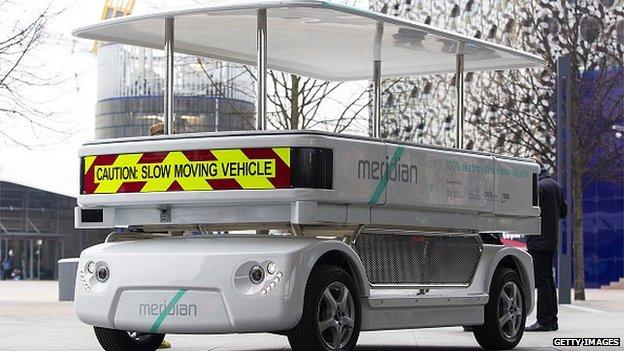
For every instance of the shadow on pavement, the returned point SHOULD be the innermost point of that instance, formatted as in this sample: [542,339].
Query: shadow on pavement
[398,348]
[414,348]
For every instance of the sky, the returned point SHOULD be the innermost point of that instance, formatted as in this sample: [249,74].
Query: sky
[49,160]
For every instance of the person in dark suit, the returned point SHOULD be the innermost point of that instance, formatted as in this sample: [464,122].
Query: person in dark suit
[543,247]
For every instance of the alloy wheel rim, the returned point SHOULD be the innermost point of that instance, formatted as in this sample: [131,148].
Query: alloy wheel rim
[336,316]
[510,310]
[138,336]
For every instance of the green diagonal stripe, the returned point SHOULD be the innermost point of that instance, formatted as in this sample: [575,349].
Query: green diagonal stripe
[383,180]
[161,318]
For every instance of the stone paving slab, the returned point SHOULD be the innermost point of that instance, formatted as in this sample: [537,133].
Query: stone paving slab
[32,319]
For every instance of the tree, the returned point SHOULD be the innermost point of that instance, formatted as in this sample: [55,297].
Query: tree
[296,102]
[302,103]
[522,105]
[211,68]
[20,75]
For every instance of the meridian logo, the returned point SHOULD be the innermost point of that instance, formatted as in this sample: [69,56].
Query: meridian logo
[397,172]
[369,169]
[179,309]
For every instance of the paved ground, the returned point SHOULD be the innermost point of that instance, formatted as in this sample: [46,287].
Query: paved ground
[32,319]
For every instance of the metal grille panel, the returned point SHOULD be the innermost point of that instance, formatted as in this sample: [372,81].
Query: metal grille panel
[391,259]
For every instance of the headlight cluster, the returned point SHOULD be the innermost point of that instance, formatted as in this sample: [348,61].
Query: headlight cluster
[260,277]
[269,276]
[93,273]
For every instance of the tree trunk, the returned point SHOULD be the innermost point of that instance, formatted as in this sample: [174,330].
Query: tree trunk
[294,102]
[577,222]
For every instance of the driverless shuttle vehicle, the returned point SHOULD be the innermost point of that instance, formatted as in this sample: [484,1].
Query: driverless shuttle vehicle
[348,233]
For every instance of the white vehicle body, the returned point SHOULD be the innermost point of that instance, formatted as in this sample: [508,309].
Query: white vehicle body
[401,220]
[212,270]
[214,273]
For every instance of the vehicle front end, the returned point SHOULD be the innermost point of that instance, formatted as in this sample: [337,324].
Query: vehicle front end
[192,284]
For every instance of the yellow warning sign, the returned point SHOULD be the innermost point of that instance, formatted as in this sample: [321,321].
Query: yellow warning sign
[219,169]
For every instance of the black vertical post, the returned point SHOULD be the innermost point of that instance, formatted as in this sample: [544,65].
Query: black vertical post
[564,175]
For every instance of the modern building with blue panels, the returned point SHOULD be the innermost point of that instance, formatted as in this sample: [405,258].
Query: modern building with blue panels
[603,215]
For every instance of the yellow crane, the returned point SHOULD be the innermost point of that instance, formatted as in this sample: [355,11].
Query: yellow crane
[113,9]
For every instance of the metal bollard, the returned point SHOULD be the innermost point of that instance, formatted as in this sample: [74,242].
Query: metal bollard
[67,270]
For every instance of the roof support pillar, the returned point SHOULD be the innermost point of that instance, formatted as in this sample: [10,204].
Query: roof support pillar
[460,113]
[169,120]
[261,46]
[376,99]
[377,80]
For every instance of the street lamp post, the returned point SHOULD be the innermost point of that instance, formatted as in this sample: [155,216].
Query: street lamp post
[564,173]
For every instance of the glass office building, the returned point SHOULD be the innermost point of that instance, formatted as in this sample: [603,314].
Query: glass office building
[209,95]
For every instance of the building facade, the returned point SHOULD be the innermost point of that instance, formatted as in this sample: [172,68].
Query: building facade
[37,230]
[422,108]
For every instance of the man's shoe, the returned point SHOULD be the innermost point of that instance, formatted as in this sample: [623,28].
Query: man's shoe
[164,345]
[554,326]
[538,327]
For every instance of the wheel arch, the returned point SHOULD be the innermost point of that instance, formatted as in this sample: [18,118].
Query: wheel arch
[336,253]
[341,259]
[521,263]
[331,252]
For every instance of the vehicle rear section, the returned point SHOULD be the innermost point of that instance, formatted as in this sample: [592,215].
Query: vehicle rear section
[432,280]
[417,280]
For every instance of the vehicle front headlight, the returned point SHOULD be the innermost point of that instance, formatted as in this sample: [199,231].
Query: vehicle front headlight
[102,274]
[90,267]
[256,274]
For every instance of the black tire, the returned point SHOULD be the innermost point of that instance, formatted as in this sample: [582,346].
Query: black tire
[307,336]
[491,335]
[120,340]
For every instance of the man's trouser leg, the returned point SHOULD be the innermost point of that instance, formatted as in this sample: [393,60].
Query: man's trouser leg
[553,289]
[545,284]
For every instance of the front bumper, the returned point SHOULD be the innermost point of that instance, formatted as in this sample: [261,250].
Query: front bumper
[192,285]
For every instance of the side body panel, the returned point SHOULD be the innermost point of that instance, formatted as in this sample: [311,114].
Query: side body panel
[402,308]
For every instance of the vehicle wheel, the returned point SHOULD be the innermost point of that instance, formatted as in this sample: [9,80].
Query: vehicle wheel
[505,313]
[331,313]
[121,340]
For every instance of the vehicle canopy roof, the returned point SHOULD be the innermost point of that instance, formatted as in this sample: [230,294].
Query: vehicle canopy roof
[313,38]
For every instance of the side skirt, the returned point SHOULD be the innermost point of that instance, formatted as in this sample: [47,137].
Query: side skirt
[422,312]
